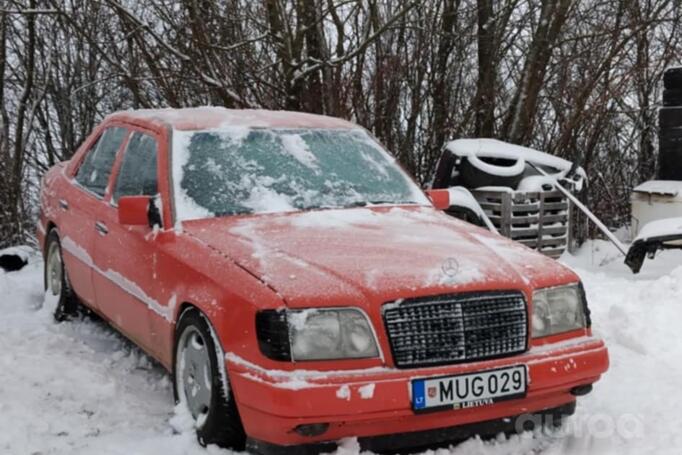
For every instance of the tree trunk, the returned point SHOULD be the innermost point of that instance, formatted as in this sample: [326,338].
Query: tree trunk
[484,101]
[15,191]
[314,97]
[441,91]
[519,124]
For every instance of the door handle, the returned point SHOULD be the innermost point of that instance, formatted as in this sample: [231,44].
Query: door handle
[101,228]
[63,204]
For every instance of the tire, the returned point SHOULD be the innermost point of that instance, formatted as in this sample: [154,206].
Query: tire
[670,117]
[672,97]
[672,78]
[670,134]
[670,165]
[670,147]
[475,172]
[56,279]
[213,408]
[670,154]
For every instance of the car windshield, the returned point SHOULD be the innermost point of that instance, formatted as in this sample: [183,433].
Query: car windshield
[239,171]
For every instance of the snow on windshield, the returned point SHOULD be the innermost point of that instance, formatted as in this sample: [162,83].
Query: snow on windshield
[297,147]
[240,170]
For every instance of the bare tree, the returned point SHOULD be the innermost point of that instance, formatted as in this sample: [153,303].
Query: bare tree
[577,78]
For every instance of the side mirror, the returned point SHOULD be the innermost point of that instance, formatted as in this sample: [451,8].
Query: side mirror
[439,198]
[138,211]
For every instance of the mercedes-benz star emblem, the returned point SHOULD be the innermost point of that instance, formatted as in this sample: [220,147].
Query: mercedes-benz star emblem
[450,267]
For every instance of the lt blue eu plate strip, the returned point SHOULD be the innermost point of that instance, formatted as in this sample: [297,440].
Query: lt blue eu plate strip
[418,397]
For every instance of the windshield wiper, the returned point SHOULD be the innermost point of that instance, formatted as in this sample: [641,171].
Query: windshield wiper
[233,212]
[378,202]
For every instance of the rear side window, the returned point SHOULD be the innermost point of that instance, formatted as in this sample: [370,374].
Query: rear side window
[94,173]
[138,171]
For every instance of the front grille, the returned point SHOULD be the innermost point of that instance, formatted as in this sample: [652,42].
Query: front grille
[456,328]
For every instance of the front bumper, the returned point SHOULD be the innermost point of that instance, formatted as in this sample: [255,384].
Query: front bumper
[377,402]
[427,439]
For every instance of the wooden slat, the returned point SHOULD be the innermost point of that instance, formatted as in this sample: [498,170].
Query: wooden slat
[569,234]
[544,244]
[530,219]
[547,207]
[522,197]
[534,231]
[505,224]
[488,206]
[534,207]
[551,219]
[488,194]
[556,205]
[541,228]
[559,230]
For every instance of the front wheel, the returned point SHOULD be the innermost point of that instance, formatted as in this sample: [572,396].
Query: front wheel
[201,385]
[57,284]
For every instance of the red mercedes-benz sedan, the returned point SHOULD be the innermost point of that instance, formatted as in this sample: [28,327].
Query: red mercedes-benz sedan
[301,288]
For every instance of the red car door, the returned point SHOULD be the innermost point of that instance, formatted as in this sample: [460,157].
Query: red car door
[126,256]
[79,203]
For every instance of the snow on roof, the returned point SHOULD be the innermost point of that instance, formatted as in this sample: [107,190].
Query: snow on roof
[663,187]
[660,228]
[208,117]
[492,148]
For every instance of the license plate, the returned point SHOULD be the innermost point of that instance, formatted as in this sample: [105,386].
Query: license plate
[469,390]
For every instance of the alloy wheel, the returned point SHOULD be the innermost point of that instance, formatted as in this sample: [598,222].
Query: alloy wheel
[194,374]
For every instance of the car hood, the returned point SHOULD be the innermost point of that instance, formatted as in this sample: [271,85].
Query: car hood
[364,255]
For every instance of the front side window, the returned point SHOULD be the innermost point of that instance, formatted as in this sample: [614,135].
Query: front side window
[95,170]
[138,176]
[240,171]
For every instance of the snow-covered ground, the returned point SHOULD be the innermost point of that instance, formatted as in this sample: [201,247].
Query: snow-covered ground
[79,388]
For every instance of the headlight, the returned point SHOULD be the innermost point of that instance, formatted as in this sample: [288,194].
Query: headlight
[321,334]
[557,310]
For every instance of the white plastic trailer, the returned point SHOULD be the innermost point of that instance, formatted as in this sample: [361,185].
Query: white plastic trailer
[655,200]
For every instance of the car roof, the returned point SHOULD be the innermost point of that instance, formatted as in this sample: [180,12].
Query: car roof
[209,117]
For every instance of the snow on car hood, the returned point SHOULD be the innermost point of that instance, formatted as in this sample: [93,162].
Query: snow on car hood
[379,254]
